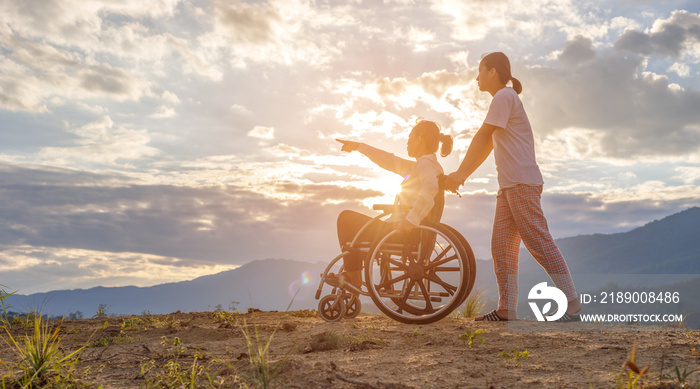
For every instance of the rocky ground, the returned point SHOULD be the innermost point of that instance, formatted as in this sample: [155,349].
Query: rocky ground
[210,349]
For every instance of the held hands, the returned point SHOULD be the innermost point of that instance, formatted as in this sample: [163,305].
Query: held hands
[348,145]
[454,181]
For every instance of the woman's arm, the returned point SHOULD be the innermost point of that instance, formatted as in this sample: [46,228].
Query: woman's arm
[478,151]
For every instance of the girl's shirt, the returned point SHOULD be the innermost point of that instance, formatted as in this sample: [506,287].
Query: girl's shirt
[513,142]
[420,185]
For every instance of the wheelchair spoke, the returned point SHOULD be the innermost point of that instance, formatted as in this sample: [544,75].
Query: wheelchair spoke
[443,253]
[407,291]
[426,295]
[396,263]
[436,279]
[435,264]
[391,281]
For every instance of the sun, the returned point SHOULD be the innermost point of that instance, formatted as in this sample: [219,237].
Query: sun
[387,184]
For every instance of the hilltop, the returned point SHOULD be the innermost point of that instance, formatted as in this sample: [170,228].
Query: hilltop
[370,351]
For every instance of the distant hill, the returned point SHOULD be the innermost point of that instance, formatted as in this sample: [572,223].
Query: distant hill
[264,284]
[667,246]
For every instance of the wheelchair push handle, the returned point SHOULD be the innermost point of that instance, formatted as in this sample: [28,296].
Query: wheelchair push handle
[441,184]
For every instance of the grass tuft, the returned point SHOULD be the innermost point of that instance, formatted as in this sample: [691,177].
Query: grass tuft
[634,375]
[42,361]
[263,371]
[475,303]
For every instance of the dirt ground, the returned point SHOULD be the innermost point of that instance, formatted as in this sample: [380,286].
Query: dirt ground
[370,351]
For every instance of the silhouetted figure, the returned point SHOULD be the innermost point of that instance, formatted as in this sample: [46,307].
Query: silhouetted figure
[506,130]
[419,191]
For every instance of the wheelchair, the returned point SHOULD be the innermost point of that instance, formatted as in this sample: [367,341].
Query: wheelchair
[415,278]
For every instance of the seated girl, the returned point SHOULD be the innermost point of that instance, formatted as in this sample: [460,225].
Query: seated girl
[419,190]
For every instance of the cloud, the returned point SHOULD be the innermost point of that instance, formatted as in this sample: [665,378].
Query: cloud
[689,174]
[680,69]
[276,32]
[578,50]
[632,111]
[33,73]
[248,23]
[375,109]
[209,225]
[73,50]
[510,22]
[163,112]
[471,21]
[107,80]
[101,142]
[68,21]
[667,37]
[61,268]
[262,132]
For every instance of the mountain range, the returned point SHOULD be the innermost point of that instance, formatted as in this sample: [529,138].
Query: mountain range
[668,246]
[266,284]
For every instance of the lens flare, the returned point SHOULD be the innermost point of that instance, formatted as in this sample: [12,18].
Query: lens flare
[301,288]
[307,278]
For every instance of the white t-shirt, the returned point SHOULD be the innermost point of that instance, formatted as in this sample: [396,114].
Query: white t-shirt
[420,185]
[513,142]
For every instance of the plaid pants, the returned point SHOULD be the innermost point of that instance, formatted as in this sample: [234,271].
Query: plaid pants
[519,217]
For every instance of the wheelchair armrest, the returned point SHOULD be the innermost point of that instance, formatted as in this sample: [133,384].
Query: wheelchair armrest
[390,208]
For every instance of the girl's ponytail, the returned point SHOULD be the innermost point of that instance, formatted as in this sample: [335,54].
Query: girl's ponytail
[432,135]
[447,143]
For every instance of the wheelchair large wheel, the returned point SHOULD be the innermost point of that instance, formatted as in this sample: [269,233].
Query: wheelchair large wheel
[421,277]
[470,257]
[331,308]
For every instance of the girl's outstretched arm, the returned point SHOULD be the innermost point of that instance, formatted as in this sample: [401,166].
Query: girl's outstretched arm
[382,158]
[478,151]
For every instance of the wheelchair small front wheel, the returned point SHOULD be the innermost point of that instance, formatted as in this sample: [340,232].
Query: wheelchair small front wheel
[352,306]
[331,308]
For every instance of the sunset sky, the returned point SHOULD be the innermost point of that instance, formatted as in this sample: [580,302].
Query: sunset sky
[158,141]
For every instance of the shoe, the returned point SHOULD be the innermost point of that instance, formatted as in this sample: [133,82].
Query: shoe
[568,318]
[340,280]
[575,317]
[492,316]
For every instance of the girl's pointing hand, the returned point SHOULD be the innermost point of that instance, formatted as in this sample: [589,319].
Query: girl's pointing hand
[348,145]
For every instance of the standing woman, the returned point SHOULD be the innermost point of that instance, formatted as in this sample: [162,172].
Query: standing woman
[519,217]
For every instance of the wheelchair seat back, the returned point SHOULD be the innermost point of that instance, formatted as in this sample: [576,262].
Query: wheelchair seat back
[435,214]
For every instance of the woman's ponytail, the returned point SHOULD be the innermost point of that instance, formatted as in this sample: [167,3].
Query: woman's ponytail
[517,86]
[500,62]
[447,143]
